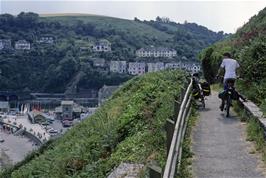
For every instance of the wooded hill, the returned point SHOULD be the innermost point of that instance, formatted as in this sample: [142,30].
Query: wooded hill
[50,68]
[248,46]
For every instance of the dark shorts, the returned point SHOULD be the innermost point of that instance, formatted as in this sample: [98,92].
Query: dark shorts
[229,81]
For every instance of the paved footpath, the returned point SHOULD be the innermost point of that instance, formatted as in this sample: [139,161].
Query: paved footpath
[219,146]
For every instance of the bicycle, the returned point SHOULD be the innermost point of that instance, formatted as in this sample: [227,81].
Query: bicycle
[229,94]
[198,89]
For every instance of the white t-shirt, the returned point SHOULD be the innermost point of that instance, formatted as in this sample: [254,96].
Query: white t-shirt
[230,66]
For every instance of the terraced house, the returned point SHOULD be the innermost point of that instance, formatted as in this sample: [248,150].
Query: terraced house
[22,45]
[46,40]
[173,65]
[5,44]
[156,52]
[102,45]
[154,67]
[136,68]
[118,66]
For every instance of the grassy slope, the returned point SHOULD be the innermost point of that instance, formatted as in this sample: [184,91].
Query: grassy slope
[129,26]
[127,128]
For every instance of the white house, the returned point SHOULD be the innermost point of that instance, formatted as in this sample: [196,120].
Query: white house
[154,67]
[193,68]
[22,44]
[99,62]
[118,66]
[1,46]
[156,52]
[5,44]
[46,40]
[136,68]
[102,46]
[173,65]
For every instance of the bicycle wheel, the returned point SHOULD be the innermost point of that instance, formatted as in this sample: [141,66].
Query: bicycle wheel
[202,101]
[228,104]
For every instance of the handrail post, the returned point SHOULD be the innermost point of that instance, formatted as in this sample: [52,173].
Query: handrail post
[170,128]
[176,108]
[154,171]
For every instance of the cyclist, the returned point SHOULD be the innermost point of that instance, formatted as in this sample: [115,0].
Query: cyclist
[230,65]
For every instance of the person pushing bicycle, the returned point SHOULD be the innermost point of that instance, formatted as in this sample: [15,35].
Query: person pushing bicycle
[230,66]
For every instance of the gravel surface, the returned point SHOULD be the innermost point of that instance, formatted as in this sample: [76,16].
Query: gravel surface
[219,146]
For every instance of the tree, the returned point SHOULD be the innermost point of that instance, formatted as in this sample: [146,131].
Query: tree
[27,20]
[6,21]
[158,19]
[136,19]
[207,66]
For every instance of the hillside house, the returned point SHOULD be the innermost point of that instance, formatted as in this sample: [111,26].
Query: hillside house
[173,65]
[22,45]
[185,65]
[118,66]
[136,68]
[193,68]
[99,62]
[156,52]
[5,44]
[154,67]
[46,40]
[104,93]
[102,46]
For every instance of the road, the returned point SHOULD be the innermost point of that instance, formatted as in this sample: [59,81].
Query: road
[220,147]
[15,147]
[36,128]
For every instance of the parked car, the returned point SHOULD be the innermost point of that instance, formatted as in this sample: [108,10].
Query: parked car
[2,140]
[52,131]
[67,123]
[45,123]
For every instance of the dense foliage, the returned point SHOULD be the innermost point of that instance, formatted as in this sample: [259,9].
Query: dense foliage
[127,128]
[51,68]
[248,46]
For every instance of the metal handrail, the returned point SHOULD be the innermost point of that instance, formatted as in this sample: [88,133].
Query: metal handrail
[173,155]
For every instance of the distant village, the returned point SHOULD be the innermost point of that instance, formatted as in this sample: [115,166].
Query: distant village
[122,67]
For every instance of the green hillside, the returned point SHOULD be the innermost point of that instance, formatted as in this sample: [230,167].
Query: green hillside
[44,66]
[127,128]
[248,46]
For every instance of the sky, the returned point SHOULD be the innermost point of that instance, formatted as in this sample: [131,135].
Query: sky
[216,15]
